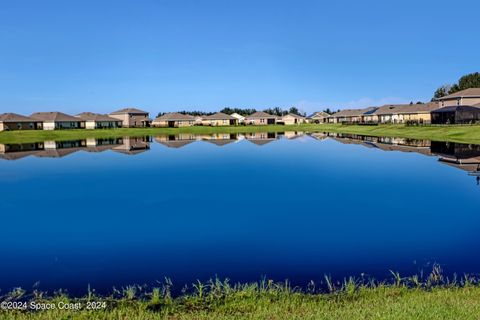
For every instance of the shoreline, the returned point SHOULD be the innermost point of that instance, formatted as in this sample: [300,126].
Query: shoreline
[459,134]
[433,297]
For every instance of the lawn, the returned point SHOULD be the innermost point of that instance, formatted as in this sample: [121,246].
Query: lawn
[463,134]
[273,302]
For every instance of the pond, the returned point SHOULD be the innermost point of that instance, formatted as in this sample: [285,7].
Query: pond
[134,210]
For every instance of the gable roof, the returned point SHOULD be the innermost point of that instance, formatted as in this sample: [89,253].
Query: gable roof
[293,115]
[175,116]
[261,114]
[318,114]
[54,116]
[471,92]
[129,110]
[237,116]
[13,117]
[351,112]
[219,116]
[90,116]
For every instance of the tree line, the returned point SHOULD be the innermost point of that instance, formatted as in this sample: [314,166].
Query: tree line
[468,81]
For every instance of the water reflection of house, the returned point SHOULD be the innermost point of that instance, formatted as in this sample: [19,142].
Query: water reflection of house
[59,149]
[293,134]
[100,145]
[19,151]
[261,138]
[461,156]
[176,141]
[133,145]
[221,139]
[319,135]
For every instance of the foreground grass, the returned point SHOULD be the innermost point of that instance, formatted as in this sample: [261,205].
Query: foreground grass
[461,134]
[404,298]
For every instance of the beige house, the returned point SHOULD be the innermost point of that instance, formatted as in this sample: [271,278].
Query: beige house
[13,121]
[402,113]
[468,97]
[99,121]
[174,120]
[132,117]
[219,119]
[57,120]
[291,119]
[260,118]
[349,116]
[318,117]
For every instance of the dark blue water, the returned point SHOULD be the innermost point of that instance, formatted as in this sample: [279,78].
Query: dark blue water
[135,210]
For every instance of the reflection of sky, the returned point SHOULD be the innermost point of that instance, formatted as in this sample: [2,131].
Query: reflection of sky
[290,209]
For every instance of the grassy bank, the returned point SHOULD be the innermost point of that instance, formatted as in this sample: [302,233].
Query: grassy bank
[463,134]
[219,300]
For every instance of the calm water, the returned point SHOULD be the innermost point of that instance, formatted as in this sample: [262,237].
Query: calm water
[135,210]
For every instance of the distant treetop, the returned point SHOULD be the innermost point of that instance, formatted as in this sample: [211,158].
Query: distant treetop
[468,81]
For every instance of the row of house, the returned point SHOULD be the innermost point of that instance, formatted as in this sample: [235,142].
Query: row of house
[175,119]
[127,118]
[460,107]
[134,118]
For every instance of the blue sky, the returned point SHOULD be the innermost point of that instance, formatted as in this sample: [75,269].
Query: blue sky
[99,56]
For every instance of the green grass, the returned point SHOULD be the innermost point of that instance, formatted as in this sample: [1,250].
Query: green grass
[403,298]
[463,134]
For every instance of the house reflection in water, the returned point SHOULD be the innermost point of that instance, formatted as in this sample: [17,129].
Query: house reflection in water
[133,145]
[261,138]
[176,141]
[461,156]
[59,149]
[221,139]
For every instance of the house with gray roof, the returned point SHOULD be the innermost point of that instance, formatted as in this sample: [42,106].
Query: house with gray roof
[219,119]
[132,117]
[467,97]
[13,121]
[57,120]
[174,120]
[99,121]
[260,118]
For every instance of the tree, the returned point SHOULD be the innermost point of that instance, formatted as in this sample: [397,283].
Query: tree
[442,91]
[328,111]
[468,81]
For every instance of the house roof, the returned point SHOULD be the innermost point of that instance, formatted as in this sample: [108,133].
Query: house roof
[416,108]
[472,92]
[351,112]
[54,116]
[457,108]
[90,116]
[261,114]
[175,116]
[318,114]
[129,110]
[219,116]
[293,115]
[13,117]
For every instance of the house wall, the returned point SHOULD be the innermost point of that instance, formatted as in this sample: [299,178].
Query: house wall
[370,118]
[419,117]
[459,102]
[180,123]
[215,122]
[257,121]
[48,125]
[17,126]
[289,120]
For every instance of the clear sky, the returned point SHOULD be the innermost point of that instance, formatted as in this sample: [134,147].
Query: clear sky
[85,55]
